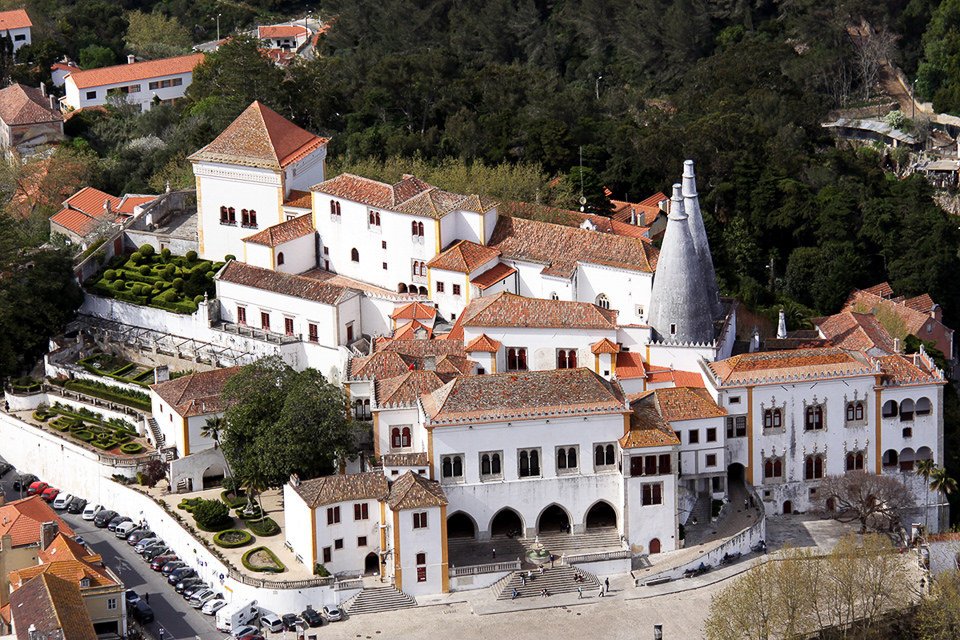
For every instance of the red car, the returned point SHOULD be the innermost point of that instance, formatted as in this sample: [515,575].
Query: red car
[37,487]
[49,494]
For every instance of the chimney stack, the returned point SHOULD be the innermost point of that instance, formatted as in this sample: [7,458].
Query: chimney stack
[782,326]
[48,531]
[896,345]
[161,374]
[106,206]
[50,99]
[43,89]
[131,59]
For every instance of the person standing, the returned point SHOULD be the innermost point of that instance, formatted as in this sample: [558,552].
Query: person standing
[579,593]
[606,584]
[146,598]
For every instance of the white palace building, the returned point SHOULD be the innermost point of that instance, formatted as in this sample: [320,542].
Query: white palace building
[520,378]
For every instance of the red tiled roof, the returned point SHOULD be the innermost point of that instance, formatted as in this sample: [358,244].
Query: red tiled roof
[908,369]
[483,344]
[772,366]
[281,31]
[414,311]
[413,491]
[883,290]
[90,200]
[630,365]
[299,200]
[284,232]
[420,459]
[296,286]
[686,403]
[412,330]
[922,303]
[463,256]
[128,203]
[423,348]
[21,520]
[14,19]
[647,426]
[196,394]
[53,608]
[260,137]
[663,375]
[76,221]
[492,276]
[63,66]
[380,365]
[605,346]
[510,310]
[146,70]
[867,302]
[567,218]
[404,390]
[856,331]
[459,365]
[317,492]
[523,395]
[20,104]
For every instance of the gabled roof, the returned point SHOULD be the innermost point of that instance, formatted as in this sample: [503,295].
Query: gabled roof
[493,275]
[413,491]
[404,390]
[686,403]
[260,137]
[856,331]
[605,345]
[65,561]
[281,31]
[484,344]
[423,348]
[413,330]
[901,369]
[49,605]
[560,249]
[766,367]
[459,365]
[644,213]
[630,366]
[283,232]
[20,104]
[297,199]
[463,256]
[147,70]
[522,395]
[22,519]
[196,394]
[869,302]
[318,492]
[14,19]
[380,365]
[510,310]
[567,218]
[883,290]
[679,378]
[288,284]
[420,459]
[647,427]
[130,202]
[922,303]
[414,311]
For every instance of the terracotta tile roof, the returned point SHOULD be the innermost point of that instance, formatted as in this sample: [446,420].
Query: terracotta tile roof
[463,256]
[856,331]
[484,344]
[70,569]
[21,520]
[299,200]
[50,605]
[493,275]
[78,222]
[778,366]
[685,403]
[283,232]
[380,365]
[404,390]
[20,104]
[908,369]
[406,459]
[129,202]
[64,547]
[318,492]
[413,330]
[561,248]
[14,19]
[424,348]
[644,213]
[196,394]
[410,195]
[522,395]
[865,301]
[146,70]
[92,201]
[413,491]
[882,290]
[630,366]
[260,137]
[647,427]
[64,66]
[665,375]
[456,332]
[328,277]
[459,365]
[414,311]
[510,310]
[922,303]
[605,346]
[296,286]
[281,31]
[602,224]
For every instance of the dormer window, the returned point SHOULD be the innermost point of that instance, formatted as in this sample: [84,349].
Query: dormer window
[84,583]
[603,301]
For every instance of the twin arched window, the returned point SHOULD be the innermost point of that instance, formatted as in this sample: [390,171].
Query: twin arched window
[416,229]
[813,467]
[374,219]
[772,418]
[773,468]
[334,208]
[604,455]
[813,418]
[567,458]
[603,301]
[418,268]
[400,437]
[490,464]
[855,461]
[566,358]
[855,411]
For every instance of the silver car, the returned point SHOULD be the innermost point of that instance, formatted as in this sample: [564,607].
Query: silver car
[197,600]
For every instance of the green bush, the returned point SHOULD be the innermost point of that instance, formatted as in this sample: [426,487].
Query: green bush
[146,250]
[86,436]
[233,538]
[197,300]
[41,416]
[232,499]
[229,257]
[275,567]
[191,256]
[135,399]
[136,258]
[131,448]
[212,515]
[265,527]
[189,504]
[109,274]
[165,254]
[169,271]
[178,284]
[320,570]
[145,270]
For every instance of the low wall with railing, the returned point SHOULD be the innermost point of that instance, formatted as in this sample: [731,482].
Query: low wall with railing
[481,576]
[602,563]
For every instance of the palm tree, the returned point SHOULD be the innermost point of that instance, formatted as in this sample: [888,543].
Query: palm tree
[255,483]
[925,469]
[942,483]
[213,428]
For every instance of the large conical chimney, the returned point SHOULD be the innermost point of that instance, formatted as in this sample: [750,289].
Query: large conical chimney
[691,204]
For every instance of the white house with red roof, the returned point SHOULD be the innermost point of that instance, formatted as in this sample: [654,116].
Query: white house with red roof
[90,213]
[16,25]
[140,83]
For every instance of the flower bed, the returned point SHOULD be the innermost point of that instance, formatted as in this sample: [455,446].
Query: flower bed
[233,538]
[188,504]
[90,427]
[265,527]
[263,560]
[131,448]
[116,368]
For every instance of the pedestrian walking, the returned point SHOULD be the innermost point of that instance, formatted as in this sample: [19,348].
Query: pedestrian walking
[746,503]
[579,593]
[543,593]
[523,580]
[606,584]
[529,574]
[542,569]
[552,558]
[146,597]
[601,592]
[515,593]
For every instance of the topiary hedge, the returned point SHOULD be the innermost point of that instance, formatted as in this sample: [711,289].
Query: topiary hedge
[233,538]
[131,448]
[263,560]
[212,515]
[189,504]
[264,527]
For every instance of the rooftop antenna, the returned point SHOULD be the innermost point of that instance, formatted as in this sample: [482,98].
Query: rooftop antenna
[583,201]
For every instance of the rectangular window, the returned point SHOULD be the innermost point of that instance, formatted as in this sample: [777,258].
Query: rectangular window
[383,244]
[664,465]
[154,85]
[636,466]
[421,574]
[362,541]
[737,427]
[20,37]
[456,289]
[733,400]
[712,434]
[133,88]
[652,494]
[111,603]
[420,520]
[91,95]
[333,515]
[384,266]
[693,437]
[338,543]
[265,321]
[327,554]
[314,336]
[177,82]
[711,460]
[288,326]
[361,511]
[326,251]
[349,332]
[650,465]
[439,287]
[421,558]
[241,315]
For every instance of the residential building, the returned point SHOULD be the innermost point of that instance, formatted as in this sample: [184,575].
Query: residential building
[16,25]
[140,83]
[28,120]
[90,214]
[49,607]
[288,37]
[27,526]
[61,69]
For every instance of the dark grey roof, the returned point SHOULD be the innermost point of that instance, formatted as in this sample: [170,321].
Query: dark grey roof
[691,205]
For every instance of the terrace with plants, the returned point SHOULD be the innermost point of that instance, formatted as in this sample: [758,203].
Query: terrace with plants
[161,280]
[111,435]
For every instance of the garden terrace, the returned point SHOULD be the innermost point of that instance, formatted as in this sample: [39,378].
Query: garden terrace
[111,435]
[117,368]
[138,400]
[165,281]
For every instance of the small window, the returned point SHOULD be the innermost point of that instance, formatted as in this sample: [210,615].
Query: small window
[712,434]
[265,321]
[333,515]
[673,329]
[813,418]
[736,427]
[280,258]
[361,511]
[111,602]
[516,359]
[652,494]
[354,255]
[312,332]
[384,266]
[288,326]
[362,541]
[733,400]
[566,358]
[327,554]
[241,315]
[338,544]
[554,296]
[439,287]
[603,301]
[383,244]
[711,460]
[91,95]
[693,436]
[456,289]
[420,520]
[421,558]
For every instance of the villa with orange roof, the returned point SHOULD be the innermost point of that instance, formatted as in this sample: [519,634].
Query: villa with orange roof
[16,25]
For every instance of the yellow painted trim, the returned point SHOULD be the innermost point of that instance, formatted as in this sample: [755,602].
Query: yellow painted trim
[648,354]
[273,258]
[444,562]
[376,434]
[280,192]
[596,363]
[466,288]
[430,450]
[749,470]
[313,536]
[879,431]
[200,225]
[397,569]
[613,364]
[429,281]
[383,536]
[245,261]
[483,229]
[493,362]
[436,227]
[186,438]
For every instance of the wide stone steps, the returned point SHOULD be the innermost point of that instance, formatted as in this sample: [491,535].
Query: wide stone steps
[378,599]
[560,579]
[594,539]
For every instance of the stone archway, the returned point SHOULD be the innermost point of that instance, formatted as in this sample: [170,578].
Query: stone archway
[787,507]
[553,519]
[507,522]
[460,525]
[601,515]
[371,564]
[213,476]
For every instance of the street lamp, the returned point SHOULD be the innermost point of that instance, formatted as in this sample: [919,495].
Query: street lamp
[218,27]
[597,86]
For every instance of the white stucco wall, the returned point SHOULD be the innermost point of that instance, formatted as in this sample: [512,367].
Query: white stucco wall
[80,98]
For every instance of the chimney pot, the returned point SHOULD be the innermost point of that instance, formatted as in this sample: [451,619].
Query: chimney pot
[43,89]
[131,59]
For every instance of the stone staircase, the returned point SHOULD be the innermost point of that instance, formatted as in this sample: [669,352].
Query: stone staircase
[599,539]
[378,599]
[156,433]
[560,579]
[467,551]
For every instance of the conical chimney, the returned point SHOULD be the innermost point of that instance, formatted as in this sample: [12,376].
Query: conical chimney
[698,232]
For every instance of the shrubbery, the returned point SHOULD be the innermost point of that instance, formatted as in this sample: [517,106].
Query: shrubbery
[212,515]
[265,527]
[232,538]
[250,562]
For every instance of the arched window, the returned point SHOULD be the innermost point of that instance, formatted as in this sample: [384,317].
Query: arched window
[354,255]
[232,215]
[457,466]
[923,407]
[395,438]
[772,418]
[854,461]
[333,208]
[603,301]
[495,464]
[778,468]
[253,218]
[561,458]
[485,465]
[524,464]
[768,469]
[813,467]
[420,229]
[366,409]
[405,437]
[572,458]
[446,468]
[244,218]
[906,411]
[534,463]
[813,418]
[224,216]
[890,409]
[609,455]
[413,228]
[858,411]
[415,268]
[598,455]
[280,258]
[423,269]
[850,412]
[566,358]
[554,296]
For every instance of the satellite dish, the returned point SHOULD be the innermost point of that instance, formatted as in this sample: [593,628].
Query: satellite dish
[583,200]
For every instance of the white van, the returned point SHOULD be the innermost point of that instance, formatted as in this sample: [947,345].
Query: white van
[63,499]
[125,528]
[234,617]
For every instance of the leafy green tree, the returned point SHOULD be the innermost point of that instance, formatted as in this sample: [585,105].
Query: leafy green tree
[211,515]
[95,56]
[939,615]
[154,35]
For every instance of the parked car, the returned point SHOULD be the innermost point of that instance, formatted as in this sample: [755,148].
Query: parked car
[189,592]
[186,583]
[158,563]
[77,505]
[291,621]
[5,468]
[79,540]
[132,597]
[271,622]
[23,481]
[36,488]
[212,606]
[245,632]
[142,612]
[153,553]
[200,598]
[181,573]
[168,568]
[91,511]
[102,519]
[50,494]
[134,535]
[148,543]
[116,521]
[62,501]
[312,617]
[332,613]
